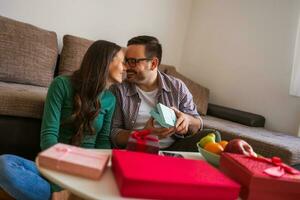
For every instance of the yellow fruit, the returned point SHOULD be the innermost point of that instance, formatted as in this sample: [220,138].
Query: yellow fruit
[223,143]
[209,138]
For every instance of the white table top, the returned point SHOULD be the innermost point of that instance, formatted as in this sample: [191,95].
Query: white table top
[105,188]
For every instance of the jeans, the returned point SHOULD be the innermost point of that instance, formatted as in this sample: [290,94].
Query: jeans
[190,143]
[21,179]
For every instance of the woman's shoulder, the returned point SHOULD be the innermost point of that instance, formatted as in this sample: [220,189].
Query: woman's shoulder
[61,85]
[108,99]
[108,95]
[62,81]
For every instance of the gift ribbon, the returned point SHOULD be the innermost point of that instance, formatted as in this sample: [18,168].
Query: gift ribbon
[280,168]
[66,151]
[141,137]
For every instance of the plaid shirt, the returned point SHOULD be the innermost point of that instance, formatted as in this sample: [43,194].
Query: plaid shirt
[171,92]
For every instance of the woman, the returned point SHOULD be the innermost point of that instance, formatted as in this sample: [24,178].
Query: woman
[78,111]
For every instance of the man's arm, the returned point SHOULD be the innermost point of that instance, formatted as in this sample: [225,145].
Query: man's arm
[195,124]
[188,119]
[119,136]
[186,123]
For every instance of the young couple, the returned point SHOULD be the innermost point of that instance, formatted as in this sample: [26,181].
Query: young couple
[81,110]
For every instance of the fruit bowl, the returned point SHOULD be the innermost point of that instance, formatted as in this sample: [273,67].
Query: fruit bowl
[211,158]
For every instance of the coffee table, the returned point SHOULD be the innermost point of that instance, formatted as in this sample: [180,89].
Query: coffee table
[105,188]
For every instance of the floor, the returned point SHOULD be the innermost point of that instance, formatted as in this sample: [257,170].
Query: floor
[5,196]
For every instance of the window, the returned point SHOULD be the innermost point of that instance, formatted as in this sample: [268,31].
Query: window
[295,80]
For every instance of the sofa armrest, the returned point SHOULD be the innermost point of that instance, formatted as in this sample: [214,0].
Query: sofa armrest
[242,117]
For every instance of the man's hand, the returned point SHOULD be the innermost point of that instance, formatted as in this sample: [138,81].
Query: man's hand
[160,132]
[150,123]
[182,123]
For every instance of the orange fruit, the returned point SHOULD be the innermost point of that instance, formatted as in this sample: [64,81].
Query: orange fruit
[214,148]
[223,143]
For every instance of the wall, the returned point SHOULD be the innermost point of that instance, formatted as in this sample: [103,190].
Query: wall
[114,20]
[243,52]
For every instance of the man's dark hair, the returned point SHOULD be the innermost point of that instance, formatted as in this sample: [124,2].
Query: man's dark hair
[152,46]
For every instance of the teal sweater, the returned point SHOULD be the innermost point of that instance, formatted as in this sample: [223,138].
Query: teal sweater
[59,107]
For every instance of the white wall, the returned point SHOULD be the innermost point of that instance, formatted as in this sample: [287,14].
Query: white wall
[114,20]
[242,50]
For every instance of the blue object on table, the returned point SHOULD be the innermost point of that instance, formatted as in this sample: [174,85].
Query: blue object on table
[164,115]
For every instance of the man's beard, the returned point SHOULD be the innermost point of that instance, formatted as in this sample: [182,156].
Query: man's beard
[133,76]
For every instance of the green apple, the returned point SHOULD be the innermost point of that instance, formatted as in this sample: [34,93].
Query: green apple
[209,138]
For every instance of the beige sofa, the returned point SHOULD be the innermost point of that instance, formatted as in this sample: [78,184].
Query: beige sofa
[29,60]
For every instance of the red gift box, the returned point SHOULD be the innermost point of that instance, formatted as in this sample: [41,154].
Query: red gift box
[262,178]
[143,141]
[151,176]
[74,160]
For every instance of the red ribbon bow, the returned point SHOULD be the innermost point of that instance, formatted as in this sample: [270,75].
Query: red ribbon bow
[141,137]
[280,168]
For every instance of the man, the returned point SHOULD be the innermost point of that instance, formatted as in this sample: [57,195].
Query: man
[144,88]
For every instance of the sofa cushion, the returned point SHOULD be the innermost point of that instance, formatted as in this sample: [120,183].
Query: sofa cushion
[265,142]
[239,116]
[200,93]
[164,68]
[22,100]
[27,54]
[72,53]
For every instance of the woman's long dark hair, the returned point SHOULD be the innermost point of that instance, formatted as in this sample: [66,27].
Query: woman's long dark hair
[88,82]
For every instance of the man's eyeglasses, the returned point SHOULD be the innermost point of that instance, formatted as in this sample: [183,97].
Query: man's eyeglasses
[132,62]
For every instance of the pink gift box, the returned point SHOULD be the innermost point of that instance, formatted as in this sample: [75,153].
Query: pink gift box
[142,175]
[257,183]
[74,160]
